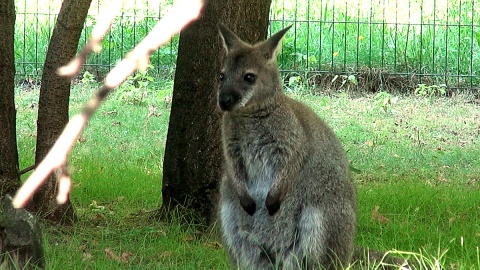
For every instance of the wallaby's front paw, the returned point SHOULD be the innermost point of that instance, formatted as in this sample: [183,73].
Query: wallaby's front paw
[248,204]
[272,203]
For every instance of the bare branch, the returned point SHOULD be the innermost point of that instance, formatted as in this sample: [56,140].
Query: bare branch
[64,186]
[24,171]
[182,13]
[105,20]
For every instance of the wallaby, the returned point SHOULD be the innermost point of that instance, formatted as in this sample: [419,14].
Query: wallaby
[286,197]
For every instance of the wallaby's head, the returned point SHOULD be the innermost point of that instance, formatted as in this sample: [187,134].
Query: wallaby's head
[249,74]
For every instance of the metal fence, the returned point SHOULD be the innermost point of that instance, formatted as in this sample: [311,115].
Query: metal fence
[373,44]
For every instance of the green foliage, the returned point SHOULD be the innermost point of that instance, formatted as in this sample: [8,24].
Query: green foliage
[297,83]
[431,90]
[347,81]
[414,37]
[88,78]
[327,35]
[136,88]
[385,101]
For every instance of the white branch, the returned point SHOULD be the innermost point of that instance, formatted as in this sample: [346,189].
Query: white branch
[182,13]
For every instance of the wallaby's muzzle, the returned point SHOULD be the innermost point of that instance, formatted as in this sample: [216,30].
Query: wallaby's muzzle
[227,100]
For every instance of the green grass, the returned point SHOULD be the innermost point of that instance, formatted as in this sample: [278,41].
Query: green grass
[416,162]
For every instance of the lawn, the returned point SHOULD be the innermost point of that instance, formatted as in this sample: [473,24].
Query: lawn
[414,160]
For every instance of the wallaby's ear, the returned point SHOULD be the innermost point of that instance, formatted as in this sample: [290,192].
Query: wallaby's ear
[230,40]
[272,45]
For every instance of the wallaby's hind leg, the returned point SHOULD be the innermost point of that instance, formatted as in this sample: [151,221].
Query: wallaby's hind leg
[313,235]
[340,235]
[242,248]
[308,249]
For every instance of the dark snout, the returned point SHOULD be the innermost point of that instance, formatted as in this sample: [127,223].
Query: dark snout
[228,99]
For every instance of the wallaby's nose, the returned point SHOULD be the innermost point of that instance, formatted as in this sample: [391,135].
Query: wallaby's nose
[227,101]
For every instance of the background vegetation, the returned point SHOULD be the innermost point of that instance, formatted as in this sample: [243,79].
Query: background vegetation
[436,40]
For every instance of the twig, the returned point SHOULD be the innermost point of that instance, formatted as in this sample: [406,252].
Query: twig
[105,20]
[182,13]
[24,171]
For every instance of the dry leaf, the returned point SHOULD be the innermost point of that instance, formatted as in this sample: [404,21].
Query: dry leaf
[114,112]
[213,245]
[152,111]
[442,179]
[167,100]
[81,139]
[451,220]
[86,256]
[377,216]
[165,254]
[161,233]
[111,254]
[188,238]
[369,143]
[126,256]
[471,181]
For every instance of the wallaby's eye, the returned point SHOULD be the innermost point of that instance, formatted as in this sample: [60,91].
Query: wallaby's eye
[249,78]
[221,77]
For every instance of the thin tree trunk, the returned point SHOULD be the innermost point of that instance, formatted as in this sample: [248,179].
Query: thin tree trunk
[193,158]
[54,102]
[9,176]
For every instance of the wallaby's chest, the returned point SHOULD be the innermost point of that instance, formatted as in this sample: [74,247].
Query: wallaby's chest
[257,146]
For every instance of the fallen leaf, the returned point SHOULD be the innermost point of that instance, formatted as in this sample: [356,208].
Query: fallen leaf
[451,220]
[188,238]
[471,181]
[442,179]
[153,111]
[377,216]
[86,256]
[114,112]
[167,100]
[213,245]
[165,254]
[111,254]
[369,143]
[161,233]
[126,256]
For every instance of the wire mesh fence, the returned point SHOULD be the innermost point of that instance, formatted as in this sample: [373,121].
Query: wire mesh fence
[36,19]
[382,43]
[378,45]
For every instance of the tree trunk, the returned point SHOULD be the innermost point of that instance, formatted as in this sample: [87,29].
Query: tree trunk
[9,177]
[54,103]
[193,156]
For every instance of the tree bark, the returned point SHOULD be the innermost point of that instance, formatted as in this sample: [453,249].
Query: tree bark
[193,156]
[54,103]
[9,175]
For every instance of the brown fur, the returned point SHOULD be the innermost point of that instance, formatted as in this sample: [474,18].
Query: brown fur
[287,200]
